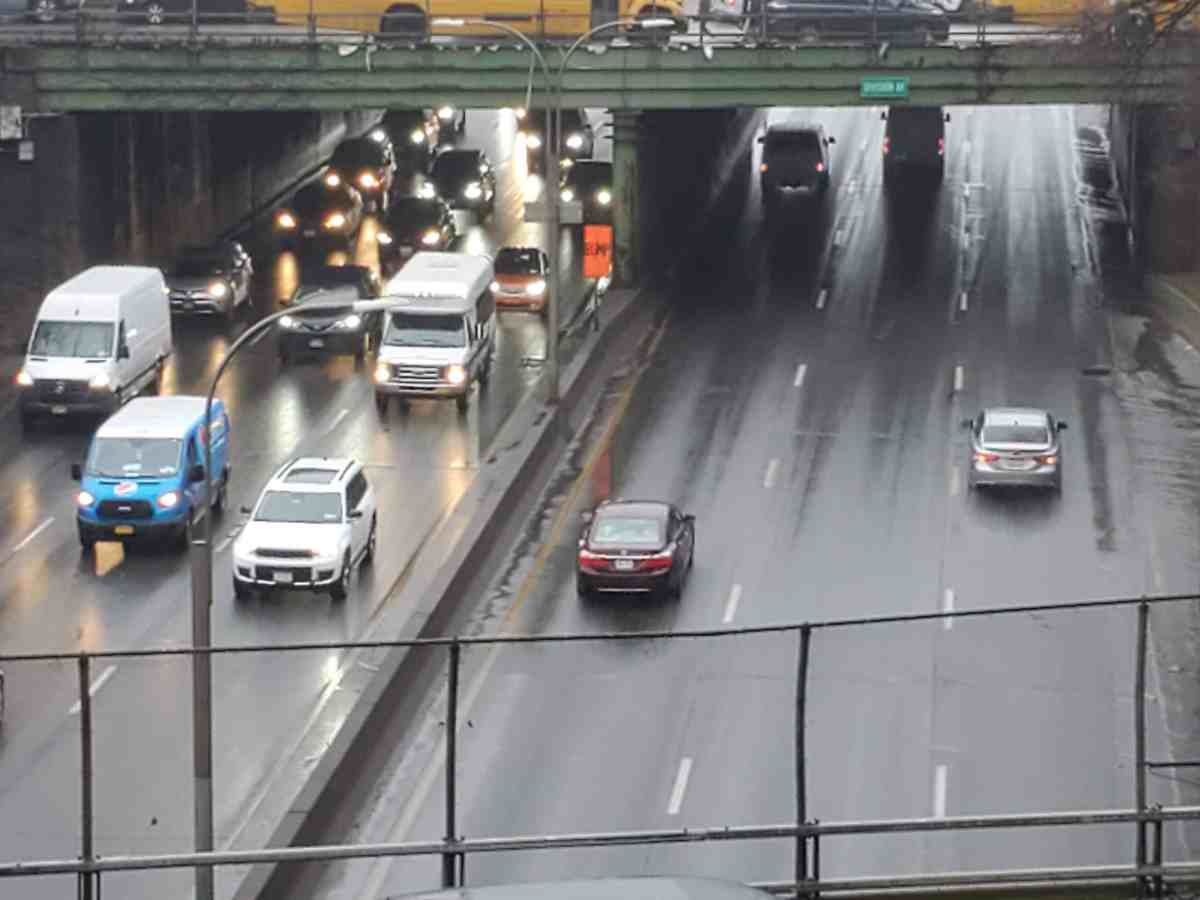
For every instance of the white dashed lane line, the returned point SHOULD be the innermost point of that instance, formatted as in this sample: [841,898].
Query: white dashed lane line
[96,685]
[939,790]
[735,597]
[960,379]
[680,788]
[24,542]
[962,302]
[772,469]
[821,298]
[948,606]
[800,372]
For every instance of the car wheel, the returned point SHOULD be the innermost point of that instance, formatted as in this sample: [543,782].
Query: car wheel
[156,12]
[156,382]
[183,537]
[241,591]
[360,352]
[462,401]
[86,541]
[926,37]
[339,589]
[810,34]
[369,553]
[219,502]
[581,588]
[44,11]
[381,404]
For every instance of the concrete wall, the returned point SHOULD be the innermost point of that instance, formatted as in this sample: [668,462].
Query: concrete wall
[132,187]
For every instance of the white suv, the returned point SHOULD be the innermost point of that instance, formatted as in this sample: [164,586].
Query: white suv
[313,522]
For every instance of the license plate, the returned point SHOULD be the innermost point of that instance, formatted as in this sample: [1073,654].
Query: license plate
[310,232]
[283,577]
[123,529]
[1018,465]
[623,565]
[406,251]
[189,305]
[317,343]
[58,410]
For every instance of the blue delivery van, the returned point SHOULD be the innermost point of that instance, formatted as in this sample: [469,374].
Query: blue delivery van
[144,474]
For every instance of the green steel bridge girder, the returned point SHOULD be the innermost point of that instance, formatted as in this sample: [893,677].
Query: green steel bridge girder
[251,77]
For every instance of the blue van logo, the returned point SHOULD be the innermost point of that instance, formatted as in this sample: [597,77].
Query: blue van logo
[125,488]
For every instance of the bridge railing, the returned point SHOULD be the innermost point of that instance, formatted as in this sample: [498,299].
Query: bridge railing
[827,691]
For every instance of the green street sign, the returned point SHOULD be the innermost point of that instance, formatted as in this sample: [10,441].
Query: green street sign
[888,88]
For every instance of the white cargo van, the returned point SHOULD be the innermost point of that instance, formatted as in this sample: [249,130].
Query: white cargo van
[440,336]
[100,338]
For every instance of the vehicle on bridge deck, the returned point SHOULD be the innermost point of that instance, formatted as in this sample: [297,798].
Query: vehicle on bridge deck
[415,135]
[466,179]
[635,546]
[647,887]
[460,18]
[578,140]
[901,22]
[179,12]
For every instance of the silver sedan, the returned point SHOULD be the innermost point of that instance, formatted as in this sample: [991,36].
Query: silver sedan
[1015,446]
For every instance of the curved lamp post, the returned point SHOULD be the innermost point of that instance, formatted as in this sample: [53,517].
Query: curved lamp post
[202,584]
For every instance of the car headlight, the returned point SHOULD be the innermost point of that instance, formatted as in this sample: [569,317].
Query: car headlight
[379,135]
[285,220]
[417,136]
[566,162]
[169,500]
[446,113]
[495,287]
[427,190]
[24,379]
[533,141]
[352,321]
[287,322]
[456,374]
[367,180]
[568,195]
[575,141]
[333,179]
[383,372]
[218,289]
[100,380]
[604,196]
[337,220]
[83,498]
[473,191]
[384,238]
[535,288]
[431,237]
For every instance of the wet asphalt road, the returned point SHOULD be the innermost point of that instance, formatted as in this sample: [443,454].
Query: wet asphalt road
[54,598]
[804,403]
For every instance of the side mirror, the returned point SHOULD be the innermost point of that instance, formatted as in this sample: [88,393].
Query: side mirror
[967,423]
[761,139]
[354,514]
[123,352]
[586,516]
[883,115]
[76,472]
[947,117]
[196,473]
[832,139]
[689,518]
[246,510]
[1061,426]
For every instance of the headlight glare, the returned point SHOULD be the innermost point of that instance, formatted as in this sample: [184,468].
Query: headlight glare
[379,135]
[446,113]
[367,180]
[218,289]
[287,322]
[473,191]
[337,220]
[100,380]
[456,374]
[535,288]
[495,287]
[568,195]
[351,321]
[333,179]
[383,372]
[533,141]
[431,237]
[24,379]
[417,136]
[575,141]
[384,238]
[285,220]
[169,500]
[604,196]
[83,498]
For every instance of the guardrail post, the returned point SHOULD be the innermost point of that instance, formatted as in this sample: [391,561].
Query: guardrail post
[85,741]
[1139,741]
[449,858]
[801,773]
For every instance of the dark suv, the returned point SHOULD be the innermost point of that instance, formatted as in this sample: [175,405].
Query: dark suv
[849,21]
[914,138]
[795,164]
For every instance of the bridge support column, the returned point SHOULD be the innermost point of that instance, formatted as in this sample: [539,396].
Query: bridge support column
[626,214]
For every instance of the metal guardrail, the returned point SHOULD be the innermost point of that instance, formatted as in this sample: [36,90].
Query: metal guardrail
[1150,874]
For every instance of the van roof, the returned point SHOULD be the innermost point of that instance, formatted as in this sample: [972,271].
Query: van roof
[441,280]
[98,282]
[169,417]
[793,127]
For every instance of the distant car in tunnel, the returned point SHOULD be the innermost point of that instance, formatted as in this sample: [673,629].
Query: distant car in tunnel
[522,274]
[415,135]
[466,180]
[635,546]
[578,140]
[317,324]
[452,118]
[589,183]
[1015,446]
[212,280]
[795,165]
[320,215]
[415,223]
[900,22]
[368,164]
[914,140]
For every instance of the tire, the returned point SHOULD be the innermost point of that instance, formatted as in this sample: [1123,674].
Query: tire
[369,552]
[183,538]
[155,386]
[338,590]
[809,34]
[220,502]
[240,590]
[361,353]
[581,588]
[485,374]
[463,402]
[381,404]
[86,542]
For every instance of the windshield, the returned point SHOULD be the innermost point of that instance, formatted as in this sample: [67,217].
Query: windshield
[360,154]
[583,176]
[456,166]
[294,506]
[115,457]
[517,262]
[793,142]
[413,330]
[915,123]
[1014,433]
[627,531]
[318,197]
[412,211]
[80,339]
[330,276]
[197,267]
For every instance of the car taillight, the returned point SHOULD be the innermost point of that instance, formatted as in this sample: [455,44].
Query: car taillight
[887,146]
[982,456]
[1048,460]
[762,167]
[590,561]
[820,167]
[941,146]
[659,560]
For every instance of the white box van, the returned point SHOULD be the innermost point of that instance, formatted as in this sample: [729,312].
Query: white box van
[100,338]
[440,336]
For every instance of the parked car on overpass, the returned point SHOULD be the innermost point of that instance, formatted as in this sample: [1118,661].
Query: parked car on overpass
[850,21]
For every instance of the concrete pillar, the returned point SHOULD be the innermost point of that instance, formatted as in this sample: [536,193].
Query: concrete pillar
[626,216]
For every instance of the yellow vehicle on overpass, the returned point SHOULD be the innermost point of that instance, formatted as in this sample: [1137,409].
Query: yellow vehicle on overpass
[539,19]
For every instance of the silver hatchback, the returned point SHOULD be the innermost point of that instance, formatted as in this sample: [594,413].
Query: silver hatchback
[1015,446]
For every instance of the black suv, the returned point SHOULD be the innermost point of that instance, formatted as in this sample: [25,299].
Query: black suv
[465,179]
[795,164]
[914,138]
[902,22]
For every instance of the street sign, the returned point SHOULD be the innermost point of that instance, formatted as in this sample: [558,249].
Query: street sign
[597,250]
[885,88]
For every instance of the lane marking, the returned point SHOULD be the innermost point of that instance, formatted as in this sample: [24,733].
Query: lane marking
[939,791]
[948,606]
[962,302]
[821,298]
[735,597]
[337,420]
[959,379]
[966,148]
[29,537]
[800,372]
[955,481]
[769,478]
[220,548]
[95,686]
[837,237]
[681,782]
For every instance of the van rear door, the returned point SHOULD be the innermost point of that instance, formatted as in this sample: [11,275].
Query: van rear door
[793,158]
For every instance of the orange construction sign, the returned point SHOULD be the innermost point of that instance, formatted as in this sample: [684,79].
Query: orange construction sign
[597,250]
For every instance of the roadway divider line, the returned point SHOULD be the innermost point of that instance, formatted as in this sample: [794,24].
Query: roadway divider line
[800,372]
[940,774]
[95,686]
[772,469]
[821,298]
[680,786]
[25,541]
[962,302]
[735,597]
[948,607]
[955,481]
[337,420]
[960,379]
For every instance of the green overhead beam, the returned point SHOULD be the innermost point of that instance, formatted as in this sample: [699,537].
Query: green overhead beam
[248,77]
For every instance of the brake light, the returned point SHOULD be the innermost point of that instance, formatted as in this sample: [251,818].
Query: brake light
[887,145]
[659,560]
[763,167]
[1049,459]
[591,562]
[941,146]
[820,167]
[985,457]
